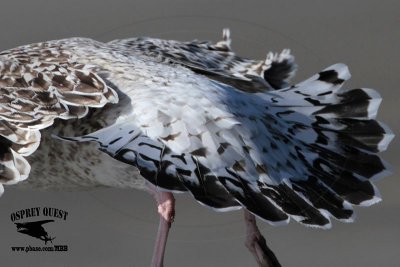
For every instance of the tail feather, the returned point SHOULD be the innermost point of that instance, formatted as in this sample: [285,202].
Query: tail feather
[367,134]
[295,204]
[322,197]
[279,69]
[330,145]
[355,103]
[253,199]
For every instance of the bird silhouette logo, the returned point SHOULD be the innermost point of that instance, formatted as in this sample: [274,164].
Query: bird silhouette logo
[35,229]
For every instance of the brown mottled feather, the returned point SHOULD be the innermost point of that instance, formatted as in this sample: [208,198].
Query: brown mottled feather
[39,83]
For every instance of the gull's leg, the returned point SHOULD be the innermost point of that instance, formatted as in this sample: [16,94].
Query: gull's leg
[256,243]
[166,210]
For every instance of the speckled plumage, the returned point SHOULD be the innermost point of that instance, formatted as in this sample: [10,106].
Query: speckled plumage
[191,117]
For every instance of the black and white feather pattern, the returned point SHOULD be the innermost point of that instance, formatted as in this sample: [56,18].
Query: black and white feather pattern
[220,62]
[306,152]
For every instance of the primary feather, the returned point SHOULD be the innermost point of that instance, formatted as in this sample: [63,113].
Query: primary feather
[192,117]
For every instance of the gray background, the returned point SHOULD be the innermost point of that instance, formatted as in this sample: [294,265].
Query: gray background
[111,227]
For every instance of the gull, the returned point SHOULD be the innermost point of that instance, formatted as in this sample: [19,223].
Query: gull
[191,117]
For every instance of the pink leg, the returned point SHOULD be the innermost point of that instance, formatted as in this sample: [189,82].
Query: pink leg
[166,210]
[256,243]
